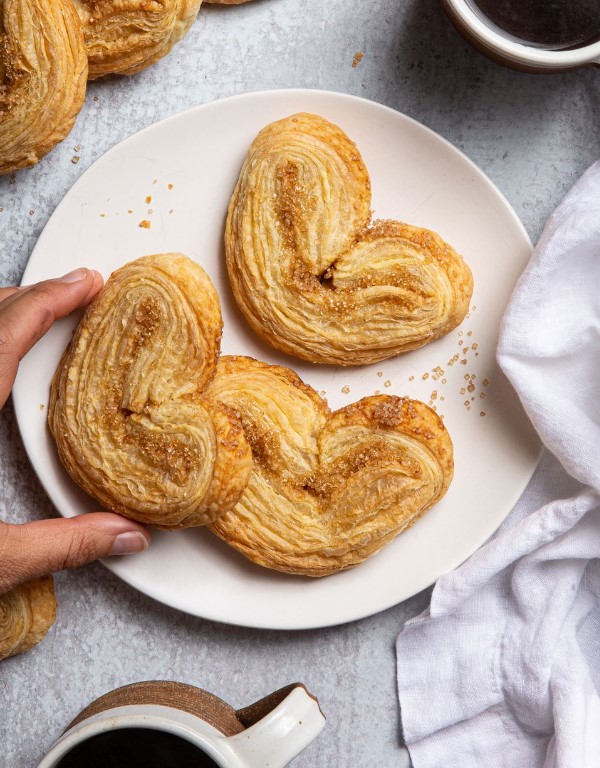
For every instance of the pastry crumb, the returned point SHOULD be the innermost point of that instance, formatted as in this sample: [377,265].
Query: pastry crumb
[169,186]
[42,406]
[358,57]
[148,199]
[345,389]
[145,224]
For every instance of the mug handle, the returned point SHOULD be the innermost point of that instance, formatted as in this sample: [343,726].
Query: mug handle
[277,728]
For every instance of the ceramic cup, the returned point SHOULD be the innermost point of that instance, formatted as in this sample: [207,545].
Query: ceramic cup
[270,732]
[500,47]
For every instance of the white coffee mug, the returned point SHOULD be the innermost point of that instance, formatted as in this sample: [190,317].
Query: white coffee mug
[501,47]
[270,732]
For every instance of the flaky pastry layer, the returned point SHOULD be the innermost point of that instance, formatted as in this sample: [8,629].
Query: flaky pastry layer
[26,614]
[327,490]
[126,36]
[127,410]
[43,74]
[313,275]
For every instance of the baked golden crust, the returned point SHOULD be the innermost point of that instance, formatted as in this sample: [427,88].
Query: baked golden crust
[311,273]
[26,614]
[127,409]
[126,36]
[43,74]
[327,489]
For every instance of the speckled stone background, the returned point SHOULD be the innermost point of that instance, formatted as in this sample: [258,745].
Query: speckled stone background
[533,135]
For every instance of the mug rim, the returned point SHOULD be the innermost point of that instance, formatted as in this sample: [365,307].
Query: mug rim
[145,716]
[520,52]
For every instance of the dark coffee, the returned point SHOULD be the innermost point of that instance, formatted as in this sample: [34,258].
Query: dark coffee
[136,748]
[551,24]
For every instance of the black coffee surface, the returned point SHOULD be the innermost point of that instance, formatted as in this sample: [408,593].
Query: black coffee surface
[550,24]
[136,748]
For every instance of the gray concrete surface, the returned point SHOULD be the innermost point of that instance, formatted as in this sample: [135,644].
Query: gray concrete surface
[533,135]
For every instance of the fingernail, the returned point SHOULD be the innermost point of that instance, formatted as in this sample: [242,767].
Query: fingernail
[129,543]
[75,276]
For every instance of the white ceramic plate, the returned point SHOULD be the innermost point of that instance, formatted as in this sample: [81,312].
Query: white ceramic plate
[188,166]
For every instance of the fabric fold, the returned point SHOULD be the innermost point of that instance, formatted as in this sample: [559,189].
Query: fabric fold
[503,668]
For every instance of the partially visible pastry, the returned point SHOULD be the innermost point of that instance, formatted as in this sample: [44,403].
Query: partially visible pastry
[26,614]
[327,490]
[127,408]
[227,2]
[126,36]
[43,74]
[312,274]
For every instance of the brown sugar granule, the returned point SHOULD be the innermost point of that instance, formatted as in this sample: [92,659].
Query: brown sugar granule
[442,397]
[150,211]
[434,394]
[170,210]
[463,361]
[467,377]
[482,413]
[31,212]
[380,373]
[453,359]
[474,345]
[75,159]
[377,391]
[411,378]
[358,56]
[169,186]
[145,224]
[471,387]
[460,343]
[485,382]
[482,395]
[102,215]
[444,381]
[473,308]
[462,390]
[148,199]
[95,98]
[469,333]
[465,350]
[345,389]
[155,181]
[460,333]
[42,406]
[425,376]
[322,393]
[387,383]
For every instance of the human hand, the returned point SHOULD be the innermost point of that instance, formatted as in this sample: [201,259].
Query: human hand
[42,547]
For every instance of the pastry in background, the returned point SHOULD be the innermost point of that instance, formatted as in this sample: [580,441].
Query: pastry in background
[26,614]
[125,36]
[127,407]
[43,74]
[327,490]
[313,275]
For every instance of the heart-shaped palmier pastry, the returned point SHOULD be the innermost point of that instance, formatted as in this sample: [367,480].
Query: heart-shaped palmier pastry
[126,36]
[127,409]
[26,614]
[43,74]
[327,489]
[311,273]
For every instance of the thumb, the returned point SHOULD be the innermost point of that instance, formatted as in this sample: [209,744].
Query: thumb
[45,546]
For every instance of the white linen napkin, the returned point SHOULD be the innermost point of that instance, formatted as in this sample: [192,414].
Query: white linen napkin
[503,669]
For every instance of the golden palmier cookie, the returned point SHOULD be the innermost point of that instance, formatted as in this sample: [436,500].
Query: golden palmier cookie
[312,274]
[127,409]
[327,489]
[26,614]
[126,36]
[43,74]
